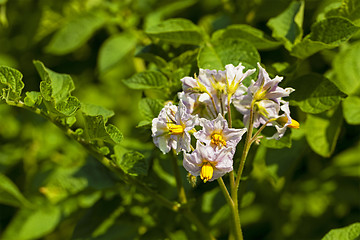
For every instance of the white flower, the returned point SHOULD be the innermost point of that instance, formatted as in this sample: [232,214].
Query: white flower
[171,128]
[217,134]
[234,77]
[265,96]
[208,163]
[284,121]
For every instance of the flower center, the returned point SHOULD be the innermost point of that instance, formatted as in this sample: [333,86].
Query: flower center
[207,171]
[218,140]
[175,129]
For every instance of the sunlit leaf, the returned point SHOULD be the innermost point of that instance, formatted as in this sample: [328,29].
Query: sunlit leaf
[146,80]
[11,84]
[33,98]
[287,26]
[351,109]
[149,109]
[350,232]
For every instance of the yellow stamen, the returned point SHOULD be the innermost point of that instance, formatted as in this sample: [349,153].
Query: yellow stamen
[283,120]
[207,171]
[218,139]
[175,129]
[260,94]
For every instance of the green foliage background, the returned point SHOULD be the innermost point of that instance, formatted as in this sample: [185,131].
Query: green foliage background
[129,56]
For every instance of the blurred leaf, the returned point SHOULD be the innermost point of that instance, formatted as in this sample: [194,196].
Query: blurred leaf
[176,30]
[346,65]
[11,84]
[349,9]
[249,33]
[153,53]
[287,26]
[347,162]
[94,110]
[351,109]
[314,93]
[131,162]
[114,49]
[351,232]
[10,194]
[322,131]
[32,223]
[283,142]
[75,33]
[328,33]
[229,51]
[96,129]
[32,98]
[146,80]
[168,10]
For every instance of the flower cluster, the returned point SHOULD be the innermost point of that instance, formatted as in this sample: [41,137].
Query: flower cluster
[205,101]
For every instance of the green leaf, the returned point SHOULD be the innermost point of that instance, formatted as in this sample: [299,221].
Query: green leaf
[228,51]
[75,33]
[346,65]
[347,162]
[170,9]
[314,93]
[153,53]
[94,110]
[56,89]
[351,232]
[287,26]
[146,80]
[283,142]
[328,33]
[333,30]
[114,49]
[32,223]
[11,84]
[96,129]
[33,98]
[351,110]
[349,9]
[131,162]
[149,109]
[246,32]
[322,131]
[10,194]
[176,30]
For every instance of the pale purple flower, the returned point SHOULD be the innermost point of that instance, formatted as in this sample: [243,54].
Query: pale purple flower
[265,95]
[208,163]
[171,128]
[234,77]
[217,134]
[284,121]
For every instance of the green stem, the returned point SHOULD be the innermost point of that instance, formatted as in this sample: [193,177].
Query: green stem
[179,185]
[234,211]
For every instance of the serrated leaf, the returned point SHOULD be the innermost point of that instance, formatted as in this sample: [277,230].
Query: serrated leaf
[326,34]
[32,223]
[75,33]
[287,27]
[33,98]
[346,65]
[114,49]
[10,194]
[11,84]
[351,232]
[176,30]
[314,93]
[94,110]
[246,32]
[56,88]
[150,108]
[96,129]
[229,51]
[351,110]
[146,80]
[322,131]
